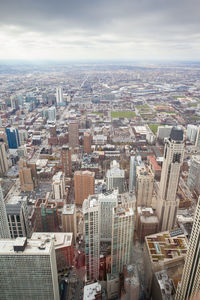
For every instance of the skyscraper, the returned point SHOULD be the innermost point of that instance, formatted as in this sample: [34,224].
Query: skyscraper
[197,142]
[194,174]
[13,138]
[59,95]
[134,162]
[52,114]
[83,185]
[3,159]
[58,186]
[122,238]
[4,227]
[87,142]
[190,282]
[107,202]
[69,220]
[173,157]
[28,269]
[27,176]
[115,177]
[144,186]
[92,236]
[18,219]
[66,160]
[73,134]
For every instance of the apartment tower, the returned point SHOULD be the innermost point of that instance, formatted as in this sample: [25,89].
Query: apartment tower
[173,158]
[73,134]
[66,161]
[28,269]
[190,282]
[83,185]
[4,227]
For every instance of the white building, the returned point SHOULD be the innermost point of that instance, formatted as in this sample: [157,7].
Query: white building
[123,220]
[107,202]
[190,282]
[3,159]
[4,227]
[173,157]
[91,214]
[163,132]
[197,142]
[115,178]
[58,186]
[194,174]
[191,133]
[92,291]
[144,186]
[23,136]
[59,95]
[134,162]
[52,114]
[28,270]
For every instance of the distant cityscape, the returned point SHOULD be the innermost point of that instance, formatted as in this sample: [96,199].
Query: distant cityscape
[100,181]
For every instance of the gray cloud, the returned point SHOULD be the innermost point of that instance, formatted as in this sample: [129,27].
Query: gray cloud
[137,27]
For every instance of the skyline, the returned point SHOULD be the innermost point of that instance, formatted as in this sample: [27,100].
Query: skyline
[149,30]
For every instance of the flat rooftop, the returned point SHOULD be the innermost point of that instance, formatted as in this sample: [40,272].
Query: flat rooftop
[33,247]
[68,209]
[60,239]
[166,246]
[91,290]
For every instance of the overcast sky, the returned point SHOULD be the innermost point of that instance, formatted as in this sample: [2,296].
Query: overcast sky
[100,29]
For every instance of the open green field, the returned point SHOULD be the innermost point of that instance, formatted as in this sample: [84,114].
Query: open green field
[194,117]
[180,96]
[123,114]
[154,127]
[97,113]
[145,106]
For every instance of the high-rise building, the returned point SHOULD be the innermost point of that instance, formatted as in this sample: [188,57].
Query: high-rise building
[17,214]
[190,282]
[73,134]
[27,176]
[115,178]
[144,186]
[3,159]
[23,136]
[4,227]
[191,133]
[13,138]
[69,219]
[28,269]
[59,95]
[46,216]
[52,114]
[66,160]
[83,185]
[122,238]
[173,157]
[164,132]
[194,174]
[107,202]
[63,246]
[134,162]
[87,142]
[197,142]
[91,215]
[58,186]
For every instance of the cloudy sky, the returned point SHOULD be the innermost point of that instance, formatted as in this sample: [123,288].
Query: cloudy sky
[100,29]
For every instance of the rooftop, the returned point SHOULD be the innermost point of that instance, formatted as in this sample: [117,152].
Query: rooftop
[60,239]
[166,246]
[91,290]
[33,247]
[68,209]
